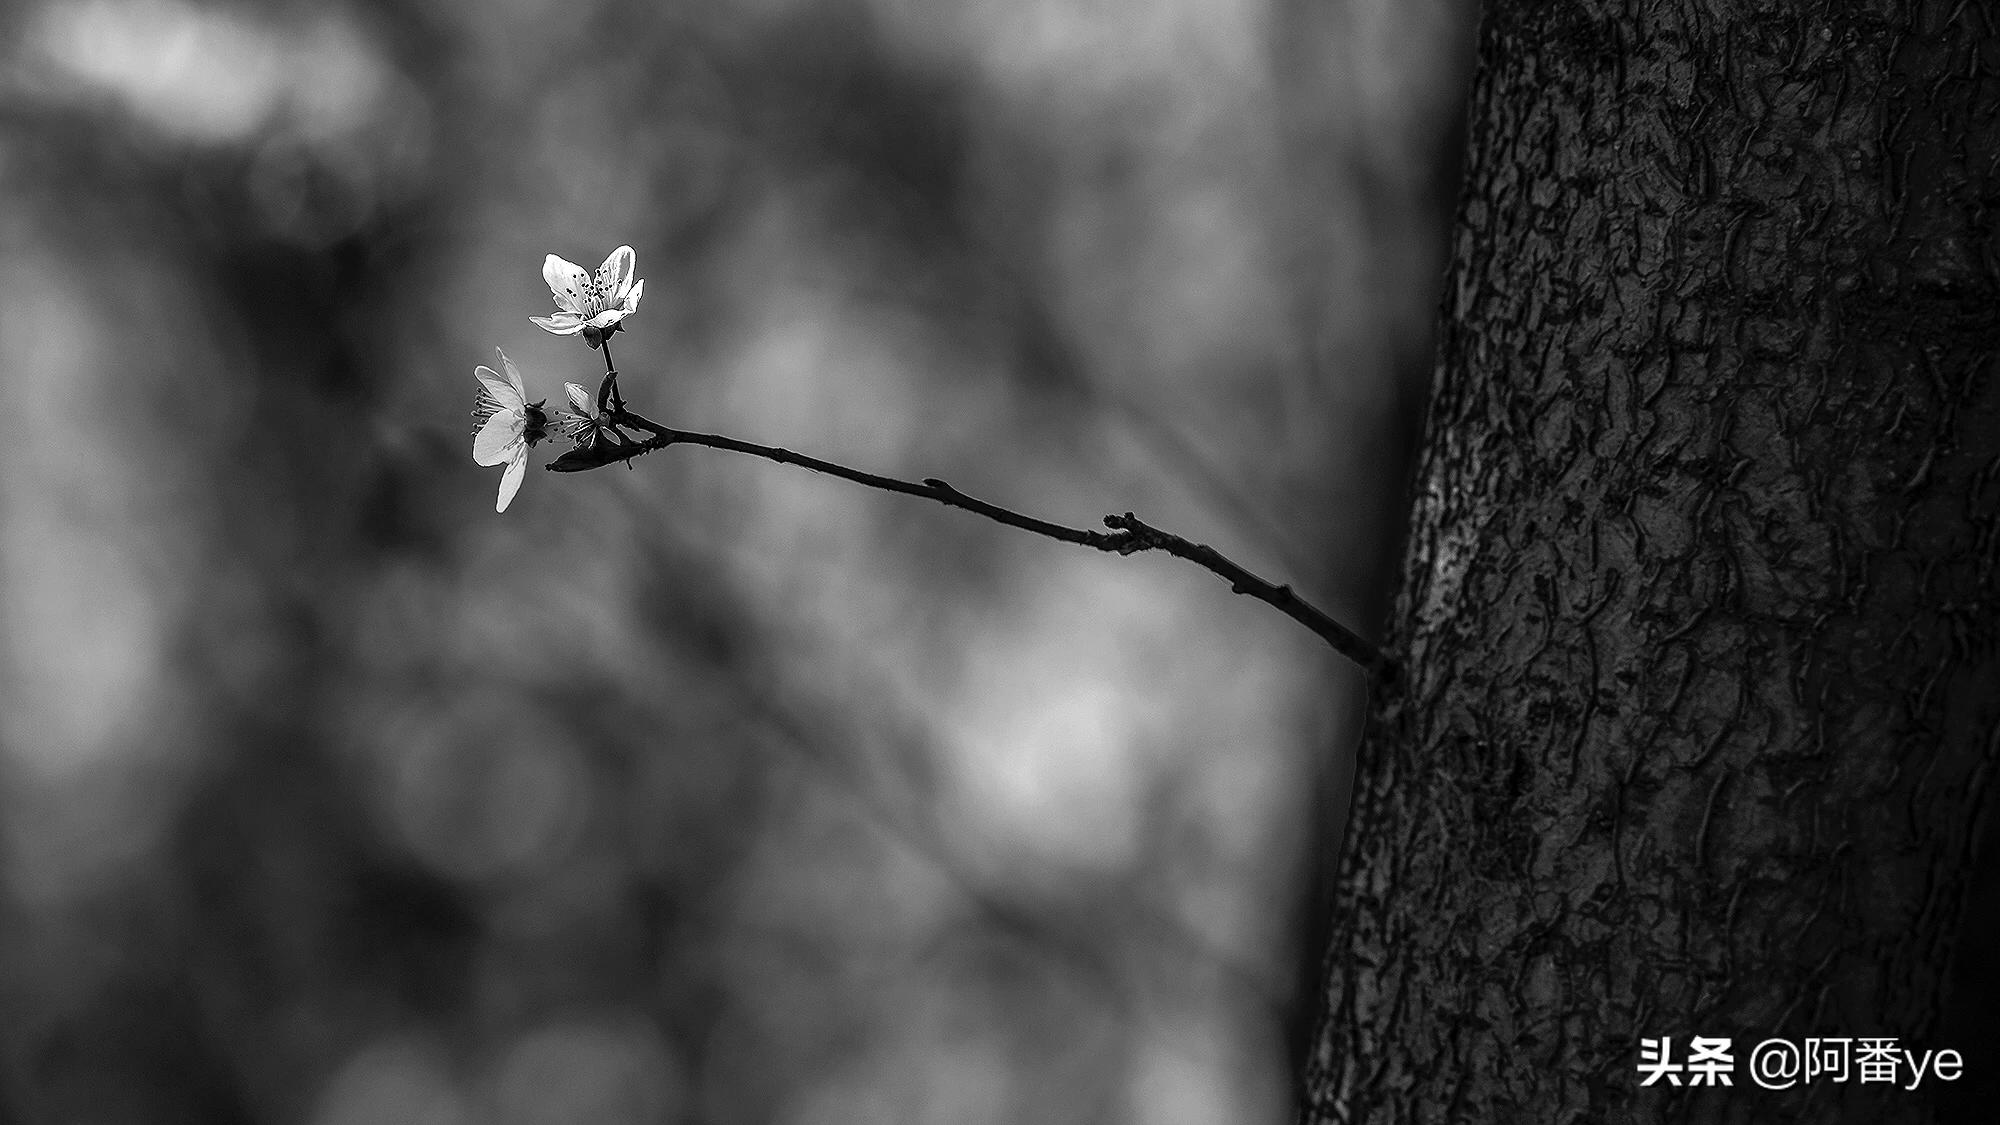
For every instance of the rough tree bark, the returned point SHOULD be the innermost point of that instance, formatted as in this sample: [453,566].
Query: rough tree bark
[1700,611]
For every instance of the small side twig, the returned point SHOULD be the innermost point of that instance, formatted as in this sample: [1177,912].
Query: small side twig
[1141,536]
[1127,535]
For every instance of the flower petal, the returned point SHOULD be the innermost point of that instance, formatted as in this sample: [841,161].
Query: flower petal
[513,375]
[567,281]
[510,481]
[506,394]
[579,399]
[631,302]
[562,324]
[607,318]
[615,275]
[496,440]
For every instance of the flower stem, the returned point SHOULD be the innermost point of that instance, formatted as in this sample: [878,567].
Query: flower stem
[608,398]
[1128,533]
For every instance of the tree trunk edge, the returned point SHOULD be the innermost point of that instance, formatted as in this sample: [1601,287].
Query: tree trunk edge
[1663,514]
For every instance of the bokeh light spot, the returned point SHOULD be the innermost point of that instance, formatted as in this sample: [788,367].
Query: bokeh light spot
[394,1081]
[489,798]
[613,1072]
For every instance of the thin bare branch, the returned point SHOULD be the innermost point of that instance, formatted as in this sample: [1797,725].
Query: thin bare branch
[1128,534]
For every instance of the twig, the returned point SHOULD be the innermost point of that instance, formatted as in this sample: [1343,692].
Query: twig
[1128,534]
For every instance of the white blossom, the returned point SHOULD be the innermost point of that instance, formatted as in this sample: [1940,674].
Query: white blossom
[584,301]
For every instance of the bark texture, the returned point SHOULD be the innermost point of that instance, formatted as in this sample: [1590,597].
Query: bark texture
[1700,611]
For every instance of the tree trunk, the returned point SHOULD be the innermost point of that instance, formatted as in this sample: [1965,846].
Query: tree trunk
[1700,611]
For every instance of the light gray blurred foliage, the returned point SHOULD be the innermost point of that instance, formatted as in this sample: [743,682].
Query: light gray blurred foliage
[711,791]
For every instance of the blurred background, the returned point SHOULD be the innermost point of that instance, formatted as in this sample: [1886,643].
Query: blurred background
[709,791]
